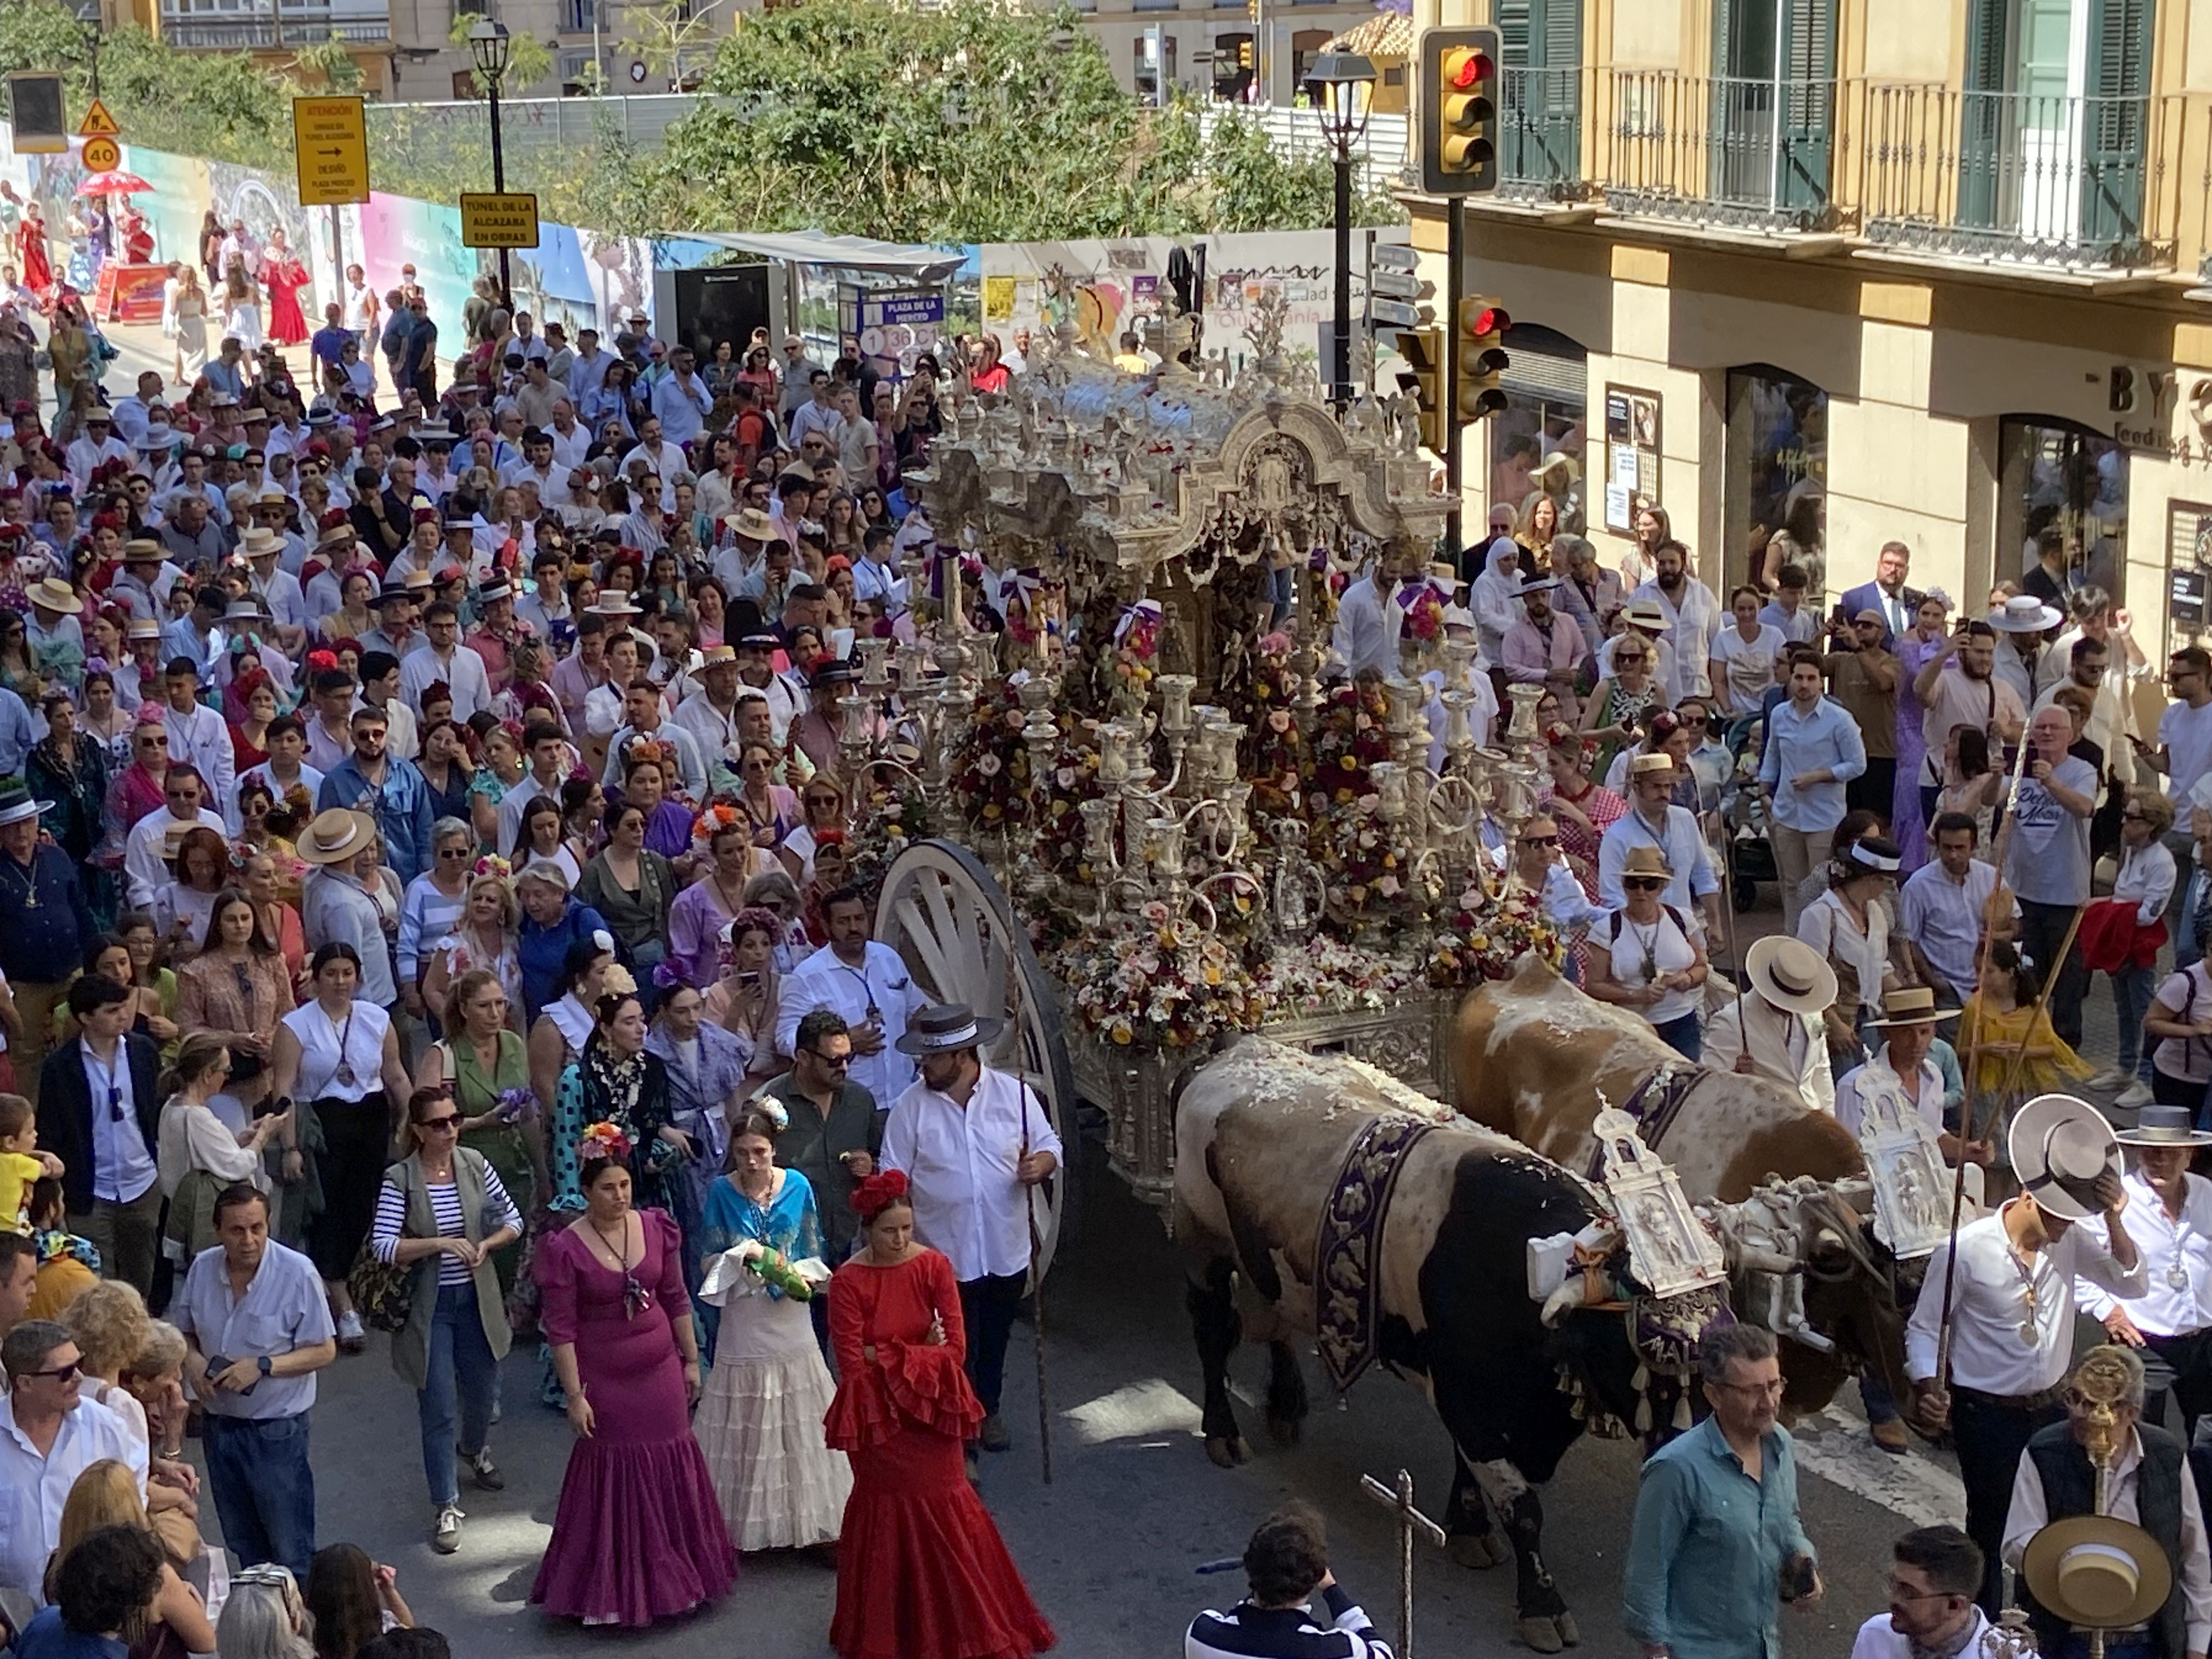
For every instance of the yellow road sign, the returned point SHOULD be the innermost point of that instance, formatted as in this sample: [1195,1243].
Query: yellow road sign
[102,156]
[495,221]
[330,147]
[98,122]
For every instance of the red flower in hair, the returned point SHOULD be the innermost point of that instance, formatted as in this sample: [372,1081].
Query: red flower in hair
[876,1193]
[331,518]
[322,659]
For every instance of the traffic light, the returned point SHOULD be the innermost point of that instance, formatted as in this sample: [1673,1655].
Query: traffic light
[1482,359]
[1459,103]
[1423,378]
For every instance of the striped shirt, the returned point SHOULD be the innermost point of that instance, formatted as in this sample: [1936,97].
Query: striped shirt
[446,1207]
[1248,1632]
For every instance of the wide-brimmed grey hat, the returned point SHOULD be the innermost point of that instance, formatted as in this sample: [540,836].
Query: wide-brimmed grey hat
[2059,1146]
[2024,613]
[2155,1125]
[947,1026]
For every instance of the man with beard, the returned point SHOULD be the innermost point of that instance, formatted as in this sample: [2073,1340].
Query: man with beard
[1693,618]
[1959,687]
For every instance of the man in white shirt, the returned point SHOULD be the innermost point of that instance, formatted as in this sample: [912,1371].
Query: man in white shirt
[710,712]
[441,656]
[865,982]
[2055,1481]
[2170,1218]
[1367,620]
[198,736]
[570,440]
[1932,1575]
[1774,1030]
[667,459]
[95,449]
[682,400]
[1693,618]
[152,840]
[2012,1307]
[50,1434]
[974,1143]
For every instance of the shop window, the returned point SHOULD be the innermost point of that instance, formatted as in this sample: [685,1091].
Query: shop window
[1547,406]
[1776,480]
[2056,475]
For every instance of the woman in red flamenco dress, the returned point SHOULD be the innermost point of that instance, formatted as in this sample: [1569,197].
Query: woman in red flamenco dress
[284,275]
[31,252]
[921,1570]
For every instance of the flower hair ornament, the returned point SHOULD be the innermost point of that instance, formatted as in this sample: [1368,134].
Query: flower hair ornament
[717,818]
[618,982]
[771,1108]
[491,864]
[878,1193]
[603,1140]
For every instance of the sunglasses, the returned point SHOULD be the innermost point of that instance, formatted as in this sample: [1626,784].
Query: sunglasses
[451,1121]
[1644,883]
[1540,841]
[835,1062]
[452,853]
[1628,656]
[60,1373]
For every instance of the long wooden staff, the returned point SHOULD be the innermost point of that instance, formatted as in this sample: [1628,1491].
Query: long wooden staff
[1036,1303]
[2042,1001]
[1972,1065]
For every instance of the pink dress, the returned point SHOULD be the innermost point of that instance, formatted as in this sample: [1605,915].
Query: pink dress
[639,1533]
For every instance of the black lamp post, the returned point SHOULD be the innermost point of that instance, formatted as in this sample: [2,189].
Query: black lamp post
[490,46]
[1343,86]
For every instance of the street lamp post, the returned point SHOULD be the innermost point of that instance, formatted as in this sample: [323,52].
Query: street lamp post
[1343,86]
[490,46]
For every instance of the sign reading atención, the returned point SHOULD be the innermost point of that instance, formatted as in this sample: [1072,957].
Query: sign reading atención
[499,221]
[330,148]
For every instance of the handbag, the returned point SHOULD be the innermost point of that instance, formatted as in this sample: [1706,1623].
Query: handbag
[383,1292]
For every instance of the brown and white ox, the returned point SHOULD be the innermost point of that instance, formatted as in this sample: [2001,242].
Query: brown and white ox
[1261,1133]
[1533,1055]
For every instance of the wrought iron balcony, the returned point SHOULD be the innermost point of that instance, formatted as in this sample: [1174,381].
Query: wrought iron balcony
[1717,149]
[272,29]
[2048,179]
[1541,135]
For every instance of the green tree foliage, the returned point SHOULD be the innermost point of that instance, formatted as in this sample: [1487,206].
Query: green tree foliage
[528,59]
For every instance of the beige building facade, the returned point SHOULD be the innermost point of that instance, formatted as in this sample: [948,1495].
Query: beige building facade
[1850,272]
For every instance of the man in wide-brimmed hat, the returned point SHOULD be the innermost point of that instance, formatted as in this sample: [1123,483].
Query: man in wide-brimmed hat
[46,929]
[1774,1031]
[2170,1218]
[974,1142]
[2134,1565]
[2012,1306]
[335,905]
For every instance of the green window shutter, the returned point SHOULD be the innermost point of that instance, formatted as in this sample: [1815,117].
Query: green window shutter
[1542,43]
[2115,125]
[1984,109]
[1807,101]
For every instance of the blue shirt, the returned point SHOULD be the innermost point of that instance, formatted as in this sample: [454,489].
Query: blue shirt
[46,1637]
[401,809]
[329,344]
[283,1308]
[682,409]
[1705,1556]
[1825,738]
[1680,841]
[15,734]
[45,942]
[540,951]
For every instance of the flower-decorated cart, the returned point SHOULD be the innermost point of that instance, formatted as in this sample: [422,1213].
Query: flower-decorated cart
[1112,799]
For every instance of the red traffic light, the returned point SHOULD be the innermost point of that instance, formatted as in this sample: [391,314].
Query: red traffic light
[1472,67]
[1491,319]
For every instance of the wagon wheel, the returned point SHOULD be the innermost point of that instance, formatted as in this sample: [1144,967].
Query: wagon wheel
[950,921]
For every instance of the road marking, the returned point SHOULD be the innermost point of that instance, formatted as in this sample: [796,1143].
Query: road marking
[1924,1492]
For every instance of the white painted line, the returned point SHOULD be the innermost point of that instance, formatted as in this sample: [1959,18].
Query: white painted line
[1923,1492]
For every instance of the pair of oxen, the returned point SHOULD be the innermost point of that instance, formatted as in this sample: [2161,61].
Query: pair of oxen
[1263,1133]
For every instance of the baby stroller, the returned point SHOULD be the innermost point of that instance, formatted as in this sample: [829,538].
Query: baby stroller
[1750,852]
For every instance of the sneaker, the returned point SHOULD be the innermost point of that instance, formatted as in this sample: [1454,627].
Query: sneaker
[2135,1096]
[2109,1080]
[994,1436]
[485,1472]
[447,1537]
[352,1336]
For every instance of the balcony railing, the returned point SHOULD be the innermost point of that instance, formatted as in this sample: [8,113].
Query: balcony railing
[1541,136]
[1718,149]
[272,29]
[2062,181]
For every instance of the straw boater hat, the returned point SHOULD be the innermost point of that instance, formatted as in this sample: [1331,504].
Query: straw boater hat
[946,1026]
[260,544]
[718,656]
[1657,760]
[52,593]
[143,627]
[1535,585]
[1790,974]
[2059,1146]
[144,550]
[1648,861]
[2024,613]
[336,834]
[16,805]
[1912,1004]
[2155,1125]
[752,524]
[336,535]
[1645,614]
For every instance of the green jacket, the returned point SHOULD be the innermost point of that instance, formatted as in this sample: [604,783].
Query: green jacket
[410,1348]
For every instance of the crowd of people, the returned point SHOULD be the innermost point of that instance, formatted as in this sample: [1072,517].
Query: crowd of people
[426,910]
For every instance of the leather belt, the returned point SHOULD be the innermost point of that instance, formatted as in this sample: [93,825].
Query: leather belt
[2037,1402]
